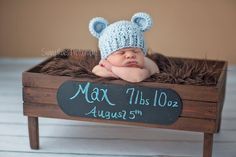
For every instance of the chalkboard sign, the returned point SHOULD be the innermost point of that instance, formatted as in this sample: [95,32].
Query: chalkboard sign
[131,103]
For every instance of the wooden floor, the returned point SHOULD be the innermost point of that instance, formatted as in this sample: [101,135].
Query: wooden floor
[64,138]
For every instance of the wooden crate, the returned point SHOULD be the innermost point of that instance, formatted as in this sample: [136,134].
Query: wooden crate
[201,112]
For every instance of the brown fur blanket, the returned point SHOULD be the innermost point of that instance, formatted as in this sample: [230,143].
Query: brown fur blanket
[79,63]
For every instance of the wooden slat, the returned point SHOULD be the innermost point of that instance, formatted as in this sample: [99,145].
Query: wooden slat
[198,109]
[195,109]
[221,88]
[187,92]
[222,76]
[53,111]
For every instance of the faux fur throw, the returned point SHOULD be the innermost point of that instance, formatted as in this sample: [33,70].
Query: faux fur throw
[79,63]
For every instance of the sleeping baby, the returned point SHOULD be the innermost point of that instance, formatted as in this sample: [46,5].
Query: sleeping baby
[123,49]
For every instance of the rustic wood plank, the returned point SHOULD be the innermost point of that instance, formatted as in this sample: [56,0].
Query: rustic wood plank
[188,124]
[68,154]
[221,79]
[106,148]
[55,154]
[222,88]
[88,131]
[110,148]
[195,109]
[14,118]
[187,92]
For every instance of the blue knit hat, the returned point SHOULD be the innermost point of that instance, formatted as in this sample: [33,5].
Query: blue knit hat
[121,34]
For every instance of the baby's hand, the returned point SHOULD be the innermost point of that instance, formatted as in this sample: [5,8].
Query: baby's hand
[104,63]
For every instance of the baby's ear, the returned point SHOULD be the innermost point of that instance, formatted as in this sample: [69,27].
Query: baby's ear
[97,25]
[143,20]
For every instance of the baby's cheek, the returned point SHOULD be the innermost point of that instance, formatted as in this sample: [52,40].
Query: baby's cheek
[115,61]
[141,62]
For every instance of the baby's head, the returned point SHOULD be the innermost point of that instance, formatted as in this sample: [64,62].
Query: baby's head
[127,57]
[121,35]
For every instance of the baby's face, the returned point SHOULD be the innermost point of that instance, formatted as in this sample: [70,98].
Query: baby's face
[127,57]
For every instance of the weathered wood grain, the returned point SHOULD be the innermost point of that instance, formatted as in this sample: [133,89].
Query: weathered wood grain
[197,109]
[33,128]
[221,90]
[187,92]
[202,105]
[207,145]
[53,111]
[104,139]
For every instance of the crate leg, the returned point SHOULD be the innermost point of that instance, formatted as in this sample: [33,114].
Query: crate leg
[33,129]
[219,125]
[208,144]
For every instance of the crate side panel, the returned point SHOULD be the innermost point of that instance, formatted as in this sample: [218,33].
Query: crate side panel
[196,109]
[186,92]
[187,124]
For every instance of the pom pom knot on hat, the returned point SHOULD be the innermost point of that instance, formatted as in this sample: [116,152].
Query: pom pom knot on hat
[120,34]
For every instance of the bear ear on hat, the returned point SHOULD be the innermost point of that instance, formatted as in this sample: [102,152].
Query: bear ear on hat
[97,25]
[143,20]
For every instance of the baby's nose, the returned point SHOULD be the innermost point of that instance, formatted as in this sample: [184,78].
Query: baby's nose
[130,54]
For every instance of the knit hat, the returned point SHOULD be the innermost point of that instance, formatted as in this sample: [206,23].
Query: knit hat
[120,34]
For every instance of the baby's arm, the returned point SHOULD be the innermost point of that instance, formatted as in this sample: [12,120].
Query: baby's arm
[151,66]
[131,74]
[102,72]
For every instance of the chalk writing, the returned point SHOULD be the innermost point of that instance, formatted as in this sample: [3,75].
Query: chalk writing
[123,114]
[162,100]
[94,96]
[136,97]
[119,102]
